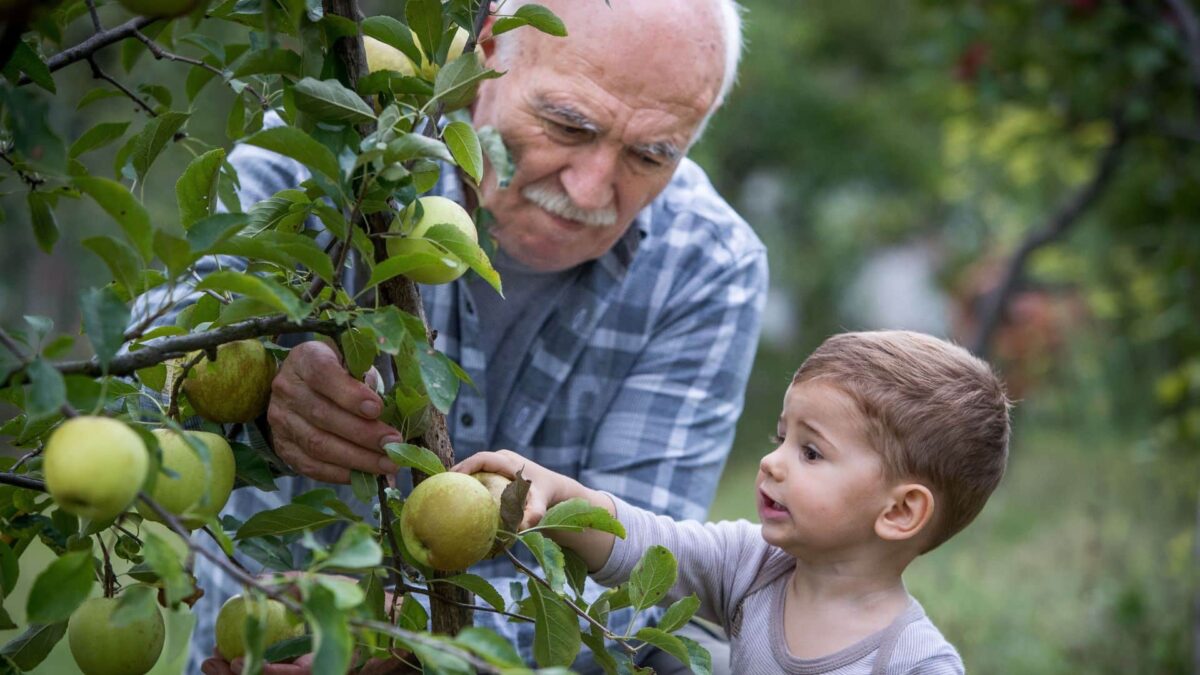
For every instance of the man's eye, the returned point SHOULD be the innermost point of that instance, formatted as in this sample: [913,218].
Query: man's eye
[649,161]
[568,131]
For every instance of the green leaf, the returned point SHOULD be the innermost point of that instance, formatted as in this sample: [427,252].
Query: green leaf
[556,638]
[47,392]
[363,485]
[165,562]
[600,653]
[332,642]
[173,251]
[25,59]
[288,649]
[425,20]
[414,456]
[153,138]
[679,613]
[412,253]
[666,642]
[699,660]
[129,213]
[45,227]
[268,62]
[97,137]
[577,514]
[532,15]
[10,569]
[576,570]
[122,261]
[331,101]
[291,142]
[440,381]
[391,32]
[549,556]
[412,614]
[479,586]
[284,520]
[355,549]
[653,576]
[196,189]
[30,648]
[490,646]
[464,145]
[346,592]
[207,233]
[457,81]
[99,95]
[286,249]
[498,155]
[358,348]
[414,145]
[136,603]
[105,317]
[267,291]
[388,324]
[61,588]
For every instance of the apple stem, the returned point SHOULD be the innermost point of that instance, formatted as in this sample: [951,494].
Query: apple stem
[110,579]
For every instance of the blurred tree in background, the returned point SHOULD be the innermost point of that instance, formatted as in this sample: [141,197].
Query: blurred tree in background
[898,159]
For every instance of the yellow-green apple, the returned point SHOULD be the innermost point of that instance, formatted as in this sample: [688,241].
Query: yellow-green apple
[280,625]
[435,211]
[188,494]
[94,466]
[457,43]
[382,56]
[234,388]
[160,8]
[449,521]
[103,648]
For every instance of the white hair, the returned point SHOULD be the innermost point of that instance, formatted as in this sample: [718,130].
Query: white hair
[730,15]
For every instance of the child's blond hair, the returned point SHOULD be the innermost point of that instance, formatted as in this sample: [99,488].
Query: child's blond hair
[937,414]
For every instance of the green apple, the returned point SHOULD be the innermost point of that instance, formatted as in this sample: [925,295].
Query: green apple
[101,648]
[382,56]
[94,466]
[281,625]
[435,211]
[234,388]
[449,521]
[185,493]
[160,8]
[496,484]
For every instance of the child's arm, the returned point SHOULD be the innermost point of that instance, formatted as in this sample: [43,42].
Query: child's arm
[546,489]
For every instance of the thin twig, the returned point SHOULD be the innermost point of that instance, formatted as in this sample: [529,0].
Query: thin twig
[99,74]
[91,5]
[26,457]
[32,180]
[177,386]
[233,560]
[590,619]
[159,53]
[409,588]
[109,578]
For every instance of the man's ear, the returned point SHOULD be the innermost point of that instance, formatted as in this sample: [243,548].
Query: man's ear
[909,511]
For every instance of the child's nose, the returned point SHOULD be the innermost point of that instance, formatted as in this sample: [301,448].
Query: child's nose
[770,464]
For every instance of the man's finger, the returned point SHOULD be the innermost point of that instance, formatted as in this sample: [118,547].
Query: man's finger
[329,417]
[216,666]
[328,448]
[319,368]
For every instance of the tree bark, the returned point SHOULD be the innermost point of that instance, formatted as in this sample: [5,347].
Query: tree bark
[446,616]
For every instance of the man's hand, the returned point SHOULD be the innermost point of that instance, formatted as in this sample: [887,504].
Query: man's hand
[217,665]
[325,422]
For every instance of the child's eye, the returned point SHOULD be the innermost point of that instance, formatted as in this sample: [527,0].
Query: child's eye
[776,439]
[811,453]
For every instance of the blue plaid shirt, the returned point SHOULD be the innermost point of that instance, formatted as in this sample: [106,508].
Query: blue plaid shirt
[632,386]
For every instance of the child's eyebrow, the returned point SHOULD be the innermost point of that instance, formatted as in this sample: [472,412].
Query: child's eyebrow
[817,432]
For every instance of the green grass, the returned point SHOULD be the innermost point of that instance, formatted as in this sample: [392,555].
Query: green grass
[1081,562]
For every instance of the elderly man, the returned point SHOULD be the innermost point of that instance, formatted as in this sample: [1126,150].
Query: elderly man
[634,292]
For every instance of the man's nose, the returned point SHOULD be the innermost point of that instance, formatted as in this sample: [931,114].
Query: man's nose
[590,176]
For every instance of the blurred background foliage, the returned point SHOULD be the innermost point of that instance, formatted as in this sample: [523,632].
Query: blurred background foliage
[894,156]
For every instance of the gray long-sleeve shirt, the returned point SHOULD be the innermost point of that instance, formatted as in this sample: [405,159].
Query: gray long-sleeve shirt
[741,581]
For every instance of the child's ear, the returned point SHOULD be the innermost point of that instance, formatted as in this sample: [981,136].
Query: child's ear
[909,510]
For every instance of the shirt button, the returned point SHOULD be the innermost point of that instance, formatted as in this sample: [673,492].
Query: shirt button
[467,419]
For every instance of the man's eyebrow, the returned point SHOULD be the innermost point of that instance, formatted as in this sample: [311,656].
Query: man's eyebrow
[567,114]
[666,150]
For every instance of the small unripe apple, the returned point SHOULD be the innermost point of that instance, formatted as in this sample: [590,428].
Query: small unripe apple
[435,211]
[234,388]
[449,521]
[382,56]
[101,648]
[160,8]
[281,625]
[184,493]
[496,484]
[94,466]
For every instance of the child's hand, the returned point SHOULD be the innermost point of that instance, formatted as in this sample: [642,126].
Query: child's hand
[546,488]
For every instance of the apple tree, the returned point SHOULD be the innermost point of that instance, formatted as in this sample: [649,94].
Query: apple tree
[103,439]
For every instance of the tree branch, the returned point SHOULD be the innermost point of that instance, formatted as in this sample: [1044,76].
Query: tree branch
[22,481]
[159,53]
[101,75]
[995,301]
[93,44]
[161,350]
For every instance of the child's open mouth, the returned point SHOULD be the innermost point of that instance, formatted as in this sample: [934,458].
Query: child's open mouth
[769,509]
